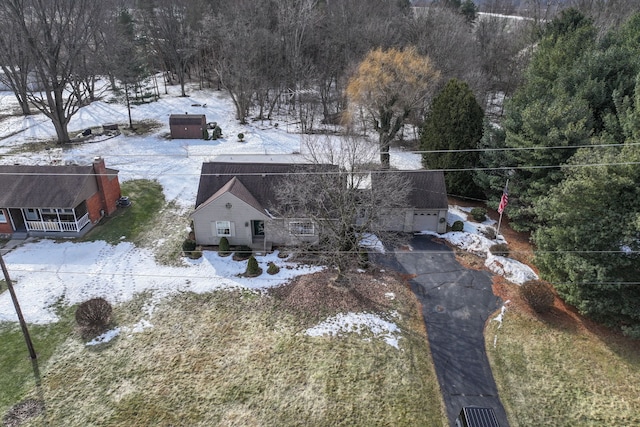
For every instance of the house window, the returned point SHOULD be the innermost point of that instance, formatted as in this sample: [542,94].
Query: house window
[3,217]
[301,228]
[223,228]
[31,214]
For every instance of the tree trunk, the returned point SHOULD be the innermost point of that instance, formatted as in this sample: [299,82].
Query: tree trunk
[126,95]
[60,120]
[61,131]
[24,103]
[385,158]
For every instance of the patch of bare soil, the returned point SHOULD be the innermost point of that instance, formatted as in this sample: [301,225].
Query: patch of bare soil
[469,260]
[318,296]
[562,315]
[22,412]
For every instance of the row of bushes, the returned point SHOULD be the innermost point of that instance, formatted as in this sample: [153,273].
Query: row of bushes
[241,253]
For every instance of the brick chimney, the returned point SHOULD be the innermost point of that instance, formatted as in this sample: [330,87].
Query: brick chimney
[104,186]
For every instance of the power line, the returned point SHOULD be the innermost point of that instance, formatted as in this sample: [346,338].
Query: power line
[546,147]
[359,172]
[207,277]
[461,150]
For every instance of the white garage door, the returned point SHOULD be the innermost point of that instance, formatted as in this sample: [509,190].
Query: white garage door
[425,221]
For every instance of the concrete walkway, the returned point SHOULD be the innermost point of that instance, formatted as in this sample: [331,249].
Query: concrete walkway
[456,304]
[10,245]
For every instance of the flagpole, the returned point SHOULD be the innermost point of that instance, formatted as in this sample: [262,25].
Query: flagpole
[500,219]
[498,229]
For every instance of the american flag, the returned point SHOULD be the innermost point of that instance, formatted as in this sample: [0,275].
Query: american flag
[504,200]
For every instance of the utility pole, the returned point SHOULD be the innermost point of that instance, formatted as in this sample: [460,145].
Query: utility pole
[23,324]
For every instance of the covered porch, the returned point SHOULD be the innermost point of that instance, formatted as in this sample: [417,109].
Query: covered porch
[51,220]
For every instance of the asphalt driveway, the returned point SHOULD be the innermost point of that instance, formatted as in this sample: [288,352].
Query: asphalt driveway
[456,303]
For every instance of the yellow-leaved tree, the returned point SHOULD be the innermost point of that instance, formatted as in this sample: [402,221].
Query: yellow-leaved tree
[390,85]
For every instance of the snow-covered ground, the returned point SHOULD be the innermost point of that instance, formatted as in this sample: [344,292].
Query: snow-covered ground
[473,240]
[47,273]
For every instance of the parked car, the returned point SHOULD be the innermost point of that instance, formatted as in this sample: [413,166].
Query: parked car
[474,416]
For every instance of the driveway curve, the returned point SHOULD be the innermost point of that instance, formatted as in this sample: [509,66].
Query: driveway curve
[456,303]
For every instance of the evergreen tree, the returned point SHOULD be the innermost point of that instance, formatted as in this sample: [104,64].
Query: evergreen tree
[455,122]
[574,90]
[588,245]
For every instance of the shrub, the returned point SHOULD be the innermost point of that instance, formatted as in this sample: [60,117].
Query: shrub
[217,132]
[273,269]
[93,317]
[457,226]
[479,214]
[241,136]
[500,249]
[253,269]
[243,252]
[196,254]
[188,246]
[489,233]
[223,247]
[538,295]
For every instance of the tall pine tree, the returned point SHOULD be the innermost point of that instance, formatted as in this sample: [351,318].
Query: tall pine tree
[454,123]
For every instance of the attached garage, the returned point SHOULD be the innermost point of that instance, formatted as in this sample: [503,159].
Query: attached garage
[427,203]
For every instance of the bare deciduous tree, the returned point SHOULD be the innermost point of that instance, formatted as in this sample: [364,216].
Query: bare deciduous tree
[390,85]
[172,31]
[342,201]
[57,33]
[15,61]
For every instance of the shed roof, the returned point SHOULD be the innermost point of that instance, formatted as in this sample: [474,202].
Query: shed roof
[187,119]
[44,186]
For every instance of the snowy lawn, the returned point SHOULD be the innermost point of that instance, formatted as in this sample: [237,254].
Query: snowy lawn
[197,325]
[236,358]
[473,240]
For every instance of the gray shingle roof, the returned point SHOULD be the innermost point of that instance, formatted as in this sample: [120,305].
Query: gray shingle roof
[261,179]
[235,187]
[428,188]
[44,186]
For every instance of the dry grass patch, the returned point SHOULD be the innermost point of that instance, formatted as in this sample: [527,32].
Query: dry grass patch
[166,235]
[237,358]
[558,369]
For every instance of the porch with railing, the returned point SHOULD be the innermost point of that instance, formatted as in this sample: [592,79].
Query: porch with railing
[58,225]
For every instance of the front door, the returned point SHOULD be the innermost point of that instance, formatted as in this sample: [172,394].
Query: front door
[257,228]
[17,219]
